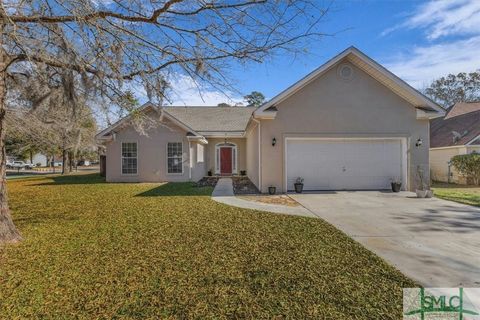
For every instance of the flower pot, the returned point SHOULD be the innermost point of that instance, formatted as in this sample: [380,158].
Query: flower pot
[396,186]
[272,190]
[243,172]
[298,187]
[421,193]
[209,173]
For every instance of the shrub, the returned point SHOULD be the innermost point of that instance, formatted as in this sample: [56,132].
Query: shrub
[468,165]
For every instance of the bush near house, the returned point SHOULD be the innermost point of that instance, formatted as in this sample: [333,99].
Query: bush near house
[468,165]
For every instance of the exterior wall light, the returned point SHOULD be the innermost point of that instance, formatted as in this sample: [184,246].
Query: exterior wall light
[274,142]
[418,143]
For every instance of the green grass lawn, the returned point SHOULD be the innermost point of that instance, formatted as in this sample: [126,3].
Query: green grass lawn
[94,250]
[459,193]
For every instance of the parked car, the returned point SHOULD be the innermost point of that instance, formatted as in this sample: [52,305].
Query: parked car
[85,163]
[9,164]
[20,165]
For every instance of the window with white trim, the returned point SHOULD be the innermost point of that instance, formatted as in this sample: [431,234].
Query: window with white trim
[129,158]
[174,157]
[200,150]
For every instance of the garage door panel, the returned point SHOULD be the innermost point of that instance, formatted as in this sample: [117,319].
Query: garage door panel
[343,164]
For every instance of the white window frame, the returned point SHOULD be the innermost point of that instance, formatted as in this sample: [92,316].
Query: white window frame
[166,164]
[121,159]
[234,148]
[200,153]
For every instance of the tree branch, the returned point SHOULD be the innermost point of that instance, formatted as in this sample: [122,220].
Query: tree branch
[93,16]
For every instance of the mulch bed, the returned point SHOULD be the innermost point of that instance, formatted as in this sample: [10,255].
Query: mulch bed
[208,182]
[243,185]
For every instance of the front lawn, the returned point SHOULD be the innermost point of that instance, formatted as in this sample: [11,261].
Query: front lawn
[459,193]
[94,250]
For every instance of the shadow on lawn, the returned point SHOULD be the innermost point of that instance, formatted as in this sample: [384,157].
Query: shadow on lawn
[91,178]
[46,218]
[177,189]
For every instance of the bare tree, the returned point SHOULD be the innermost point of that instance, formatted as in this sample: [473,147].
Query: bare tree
[122,44]
[448,90]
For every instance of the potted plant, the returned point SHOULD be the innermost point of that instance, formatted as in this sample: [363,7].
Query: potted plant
[396,185]
[299,185]
[423,189]
[209,172]
[272,190]
[243,172]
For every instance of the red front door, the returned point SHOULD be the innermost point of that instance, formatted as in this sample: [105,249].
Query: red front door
[225,161]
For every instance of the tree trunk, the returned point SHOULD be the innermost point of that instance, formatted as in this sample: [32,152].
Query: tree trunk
[70,162]
[8,231]
[64,162]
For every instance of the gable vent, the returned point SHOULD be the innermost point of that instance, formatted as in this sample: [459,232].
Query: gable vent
[345,72]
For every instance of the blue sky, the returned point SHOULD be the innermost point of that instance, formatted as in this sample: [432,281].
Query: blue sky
[417,40]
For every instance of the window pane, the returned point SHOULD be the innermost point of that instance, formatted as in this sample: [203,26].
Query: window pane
[129,149]
[174,157]
[129,157]
[174,165]
[174,149]
[129,165]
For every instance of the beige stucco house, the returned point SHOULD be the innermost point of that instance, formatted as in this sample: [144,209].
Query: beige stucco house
[350,124]
[455,134]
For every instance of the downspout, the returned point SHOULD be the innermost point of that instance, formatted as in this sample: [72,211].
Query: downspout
[259,154]
[189,160]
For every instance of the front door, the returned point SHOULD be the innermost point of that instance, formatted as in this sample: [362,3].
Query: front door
[226,161]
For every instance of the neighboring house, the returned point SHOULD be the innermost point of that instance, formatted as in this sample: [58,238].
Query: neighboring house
[455,134]
[39,158]
[350,124]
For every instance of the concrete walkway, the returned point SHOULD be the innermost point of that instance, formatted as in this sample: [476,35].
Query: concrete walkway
[224,188]
[223,193]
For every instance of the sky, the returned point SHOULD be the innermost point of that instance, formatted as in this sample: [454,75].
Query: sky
[419,41]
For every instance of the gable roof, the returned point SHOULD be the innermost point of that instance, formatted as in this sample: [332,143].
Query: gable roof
[105,134]
[209,120]
[196,121]
[461,108]
[372,68]
[463,119]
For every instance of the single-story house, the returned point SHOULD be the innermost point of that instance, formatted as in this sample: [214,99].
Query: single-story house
[350,124]
[455,134]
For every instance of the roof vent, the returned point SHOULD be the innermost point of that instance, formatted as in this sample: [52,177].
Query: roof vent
[345,72]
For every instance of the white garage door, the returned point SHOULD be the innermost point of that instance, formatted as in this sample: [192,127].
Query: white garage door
[344,164]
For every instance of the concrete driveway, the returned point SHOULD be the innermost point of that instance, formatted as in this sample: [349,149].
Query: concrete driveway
[433,241]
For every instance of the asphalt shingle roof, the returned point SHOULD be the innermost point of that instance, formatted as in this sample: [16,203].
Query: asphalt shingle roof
[213,119]
[463,118]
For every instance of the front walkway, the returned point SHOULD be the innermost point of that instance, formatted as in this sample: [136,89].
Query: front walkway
[223,188]
[223,193]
